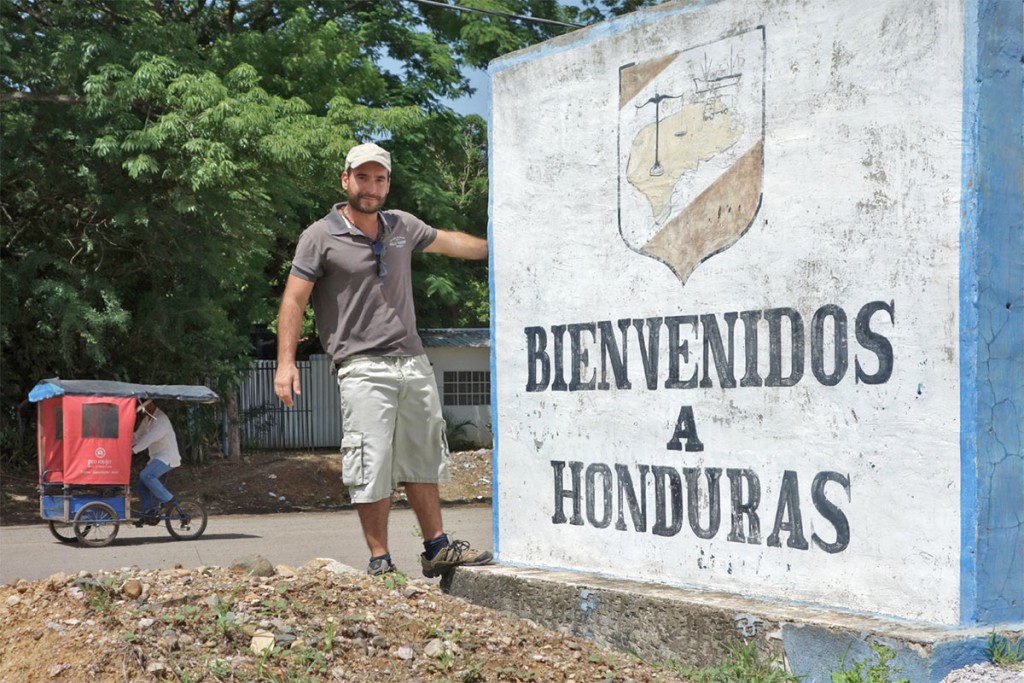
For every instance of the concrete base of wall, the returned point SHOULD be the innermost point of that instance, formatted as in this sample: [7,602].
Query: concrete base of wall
[697,627]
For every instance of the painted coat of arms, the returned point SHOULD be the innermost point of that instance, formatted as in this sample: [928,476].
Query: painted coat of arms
[691,150]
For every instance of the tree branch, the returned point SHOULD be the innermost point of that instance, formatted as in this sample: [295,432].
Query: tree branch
[58,98]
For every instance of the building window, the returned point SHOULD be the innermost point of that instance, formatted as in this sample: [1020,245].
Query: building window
[467,388]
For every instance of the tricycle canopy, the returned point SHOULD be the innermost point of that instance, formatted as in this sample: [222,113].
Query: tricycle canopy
[85,427]
[49,388]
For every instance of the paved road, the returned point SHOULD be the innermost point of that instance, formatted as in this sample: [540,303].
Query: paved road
[31,552]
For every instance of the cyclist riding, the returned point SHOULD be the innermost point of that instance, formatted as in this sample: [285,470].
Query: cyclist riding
[154,431]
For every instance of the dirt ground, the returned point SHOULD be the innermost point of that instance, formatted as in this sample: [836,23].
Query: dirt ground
[289,625]
[319,622]
[263,482]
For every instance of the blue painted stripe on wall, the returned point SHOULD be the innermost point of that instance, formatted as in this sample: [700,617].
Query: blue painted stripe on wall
[495,450]
[1000,563]
[992,315]
[969,321]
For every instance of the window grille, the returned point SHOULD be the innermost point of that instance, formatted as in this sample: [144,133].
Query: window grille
[467,388]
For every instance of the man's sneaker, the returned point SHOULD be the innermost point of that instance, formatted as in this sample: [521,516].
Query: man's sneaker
[380,566]
[455,554]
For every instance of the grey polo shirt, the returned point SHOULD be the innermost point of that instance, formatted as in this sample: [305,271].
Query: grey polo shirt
[357,311]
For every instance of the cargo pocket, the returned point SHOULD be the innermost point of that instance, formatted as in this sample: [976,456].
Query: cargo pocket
[444,474]
[352,470]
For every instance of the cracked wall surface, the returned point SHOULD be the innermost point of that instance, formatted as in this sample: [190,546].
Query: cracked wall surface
[994,368]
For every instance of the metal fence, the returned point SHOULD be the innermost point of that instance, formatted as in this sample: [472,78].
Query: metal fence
[313,422]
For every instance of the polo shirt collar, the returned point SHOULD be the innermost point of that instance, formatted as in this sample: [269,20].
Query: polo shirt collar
[337,225]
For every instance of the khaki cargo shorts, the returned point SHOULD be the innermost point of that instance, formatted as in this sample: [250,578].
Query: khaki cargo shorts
[393,431]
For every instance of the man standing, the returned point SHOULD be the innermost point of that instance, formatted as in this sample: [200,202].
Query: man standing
[356,264]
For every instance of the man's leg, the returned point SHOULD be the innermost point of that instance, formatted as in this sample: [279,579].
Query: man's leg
[150,489]
[145,498]
[421,455]
[426,503]
[369,389]
[374,519]
[156,493]
[440,553]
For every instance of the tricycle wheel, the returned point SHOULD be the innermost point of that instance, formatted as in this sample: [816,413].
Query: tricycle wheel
[96,524]
[63,532]
[186,520]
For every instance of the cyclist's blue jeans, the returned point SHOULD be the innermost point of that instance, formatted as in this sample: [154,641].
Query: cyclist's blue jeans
[150,486]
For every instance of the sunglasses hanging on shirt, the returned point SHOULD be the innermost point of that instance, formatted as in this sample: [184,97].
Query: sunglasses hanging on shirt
[379,249]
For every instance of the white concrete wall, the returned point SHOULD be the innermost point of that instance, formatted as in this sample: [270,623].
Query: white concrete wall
[825,180]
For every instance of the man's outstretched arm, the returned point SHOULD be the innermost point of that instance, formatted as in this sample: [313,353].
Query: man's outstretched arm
[289,324]
[459,245]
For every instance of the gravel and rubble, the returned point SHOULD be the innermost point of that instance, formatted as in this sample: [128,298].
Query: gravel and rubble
[986,673]
[323,621]
[252,622]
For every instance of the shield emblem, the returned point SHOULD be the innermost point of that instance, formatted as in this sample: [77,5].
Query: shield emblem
[691,150]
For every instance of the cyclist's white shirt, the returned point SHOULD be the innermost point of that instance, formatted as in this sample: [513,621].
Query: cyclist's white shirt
[157,434]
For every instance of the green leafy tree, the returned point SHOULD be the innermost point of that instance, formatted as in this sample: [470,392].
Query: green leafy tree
[592,11]
[160,157]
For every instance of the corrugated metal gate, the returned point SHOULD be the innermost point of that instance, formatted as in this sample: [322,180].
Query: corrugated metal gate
[313,422]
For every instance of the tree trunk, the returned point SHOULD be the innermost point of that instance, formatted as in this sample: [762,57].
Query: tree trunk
[234,439]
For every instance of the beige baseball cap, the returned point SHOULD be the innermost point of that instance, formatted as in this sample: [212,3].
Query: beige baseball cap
[361,154]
